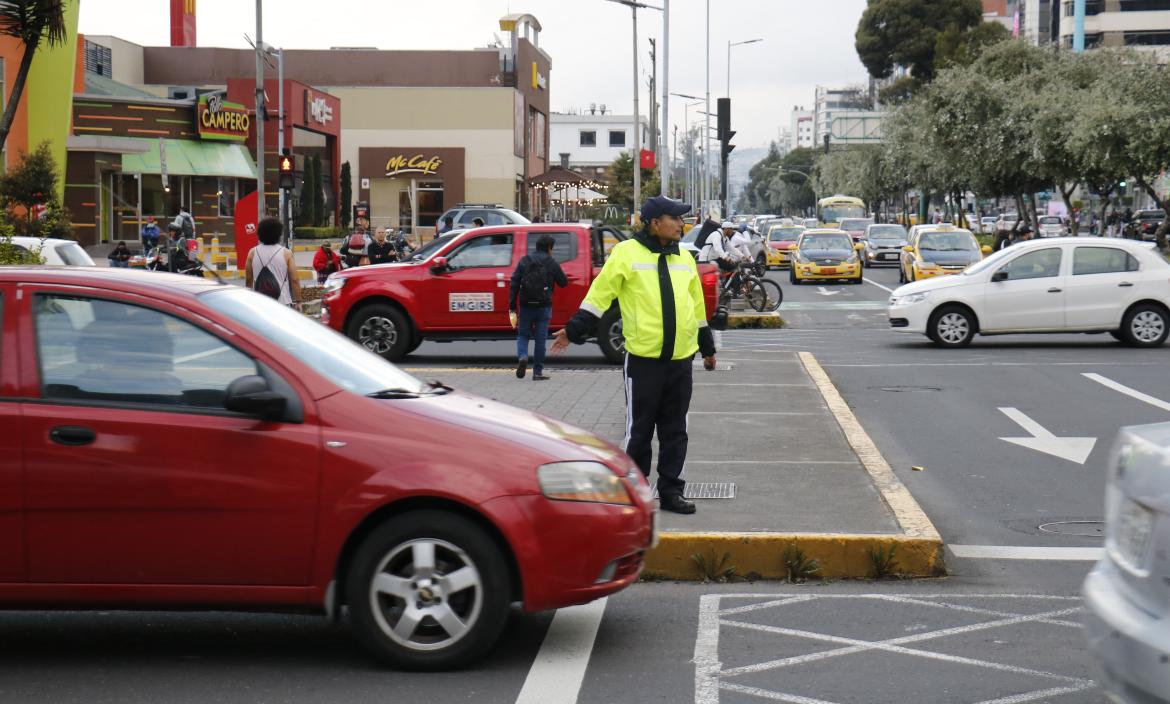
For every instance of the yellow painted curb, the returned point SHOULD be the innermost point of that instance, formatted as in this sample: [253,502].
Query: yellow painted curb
[839,555]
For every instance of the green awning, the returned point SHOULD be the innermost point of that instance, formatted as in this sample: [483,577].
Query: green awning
[190,158]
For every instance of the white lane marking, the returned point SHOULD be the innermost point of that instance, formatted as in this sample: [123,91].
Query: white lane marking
[1133,393]
[1026,552]
[894,645]
[970,609]
[201,355]
[871,281]
[559,669]
[1072,449]
[768,694]
[999,364]
[707,663]
[826,292]
[1033,696]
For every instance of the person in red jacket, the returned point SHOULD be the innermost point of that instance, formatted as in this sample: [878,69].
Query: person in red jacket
[325,262]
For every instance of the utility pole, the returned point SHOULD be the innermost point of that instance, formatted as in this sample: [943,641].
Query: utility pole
[707,129]
[654,94]
[637,120]
[260,161]
[666,166]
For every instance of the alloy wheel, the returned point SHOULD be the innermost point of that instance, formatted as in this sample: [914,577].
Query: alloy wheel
[616,339]
[378,334]
[953,328]
[1147,326]
[426,594]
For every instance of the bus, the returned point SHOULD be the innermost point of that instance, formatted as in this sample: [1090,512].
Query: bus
[831,210]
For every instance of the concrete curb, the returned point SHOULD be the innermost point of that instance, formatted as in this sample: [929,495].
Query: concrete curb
[741,321]
[917,551]
[762,554]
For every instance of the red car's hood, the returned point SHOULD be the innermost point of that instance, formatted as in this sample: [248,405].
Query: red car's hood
[556,440]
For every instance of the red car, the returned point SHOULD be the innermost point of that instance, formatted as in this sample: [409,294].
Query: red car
[456,288]
[177,442]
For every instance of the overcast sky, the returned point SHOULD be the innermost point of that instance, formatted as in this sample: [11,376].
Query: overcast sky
[805,43]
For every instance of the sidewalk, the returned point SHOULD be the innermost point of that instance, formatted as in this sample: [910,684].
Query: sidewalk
[804,471]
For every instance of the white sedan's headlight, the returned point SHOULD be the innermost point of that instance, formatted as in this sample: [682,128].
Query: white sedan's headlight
[908,299]
[333,284]
[591,482]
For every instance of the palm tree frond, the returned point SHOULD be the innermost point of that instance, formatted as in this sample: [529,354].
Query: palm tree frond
[32,21]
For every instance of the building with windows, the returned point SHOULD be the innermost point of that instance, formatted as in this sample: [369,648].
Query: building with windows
[1141,24]
[801,129]
[845,116]
[422,130]
[593,141]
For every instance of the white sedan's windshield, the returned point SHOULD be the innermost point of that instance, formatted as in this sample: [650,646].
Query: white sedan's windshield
[990,261]
[334,356]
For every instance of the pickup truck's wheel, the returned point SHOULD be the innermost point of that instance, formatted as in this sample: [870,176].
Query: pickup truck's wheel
[428,590]
[610,338]
[382,329]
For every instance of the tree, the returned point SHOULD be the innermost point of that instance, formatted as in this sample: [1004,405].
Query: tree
[31,22]
[955,47]
[346,194]
[895,33]
[319,214]
[31,186]
[621,183]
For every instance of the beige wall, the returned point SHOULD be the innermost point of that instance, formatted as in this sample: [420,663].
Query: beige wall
[425,108]
[127,59]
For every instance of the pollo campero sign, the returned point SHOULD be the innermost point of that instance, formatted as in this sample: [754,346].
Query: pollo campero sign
[219,119]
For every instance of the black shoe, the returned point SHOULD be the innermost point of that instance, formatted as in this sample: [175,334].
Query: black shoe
[521,368]
[676,504]
[539,377]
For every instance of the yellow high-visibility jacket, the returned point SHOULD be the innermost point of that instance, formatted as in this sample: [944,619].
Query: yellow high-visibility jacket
[636,275]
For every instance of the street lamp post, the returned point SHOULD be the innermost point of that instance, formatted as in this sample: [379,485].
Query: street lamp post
[729,45]
[279,54]
[260,174]
[634,6]
[687,124]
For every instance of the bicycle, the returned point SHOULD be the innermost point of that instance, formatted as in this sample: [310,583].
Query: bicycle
[763,295]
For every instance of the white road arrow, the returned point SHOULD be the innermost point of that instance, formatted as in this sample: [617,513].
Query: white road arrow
[1071,449]
[826,292]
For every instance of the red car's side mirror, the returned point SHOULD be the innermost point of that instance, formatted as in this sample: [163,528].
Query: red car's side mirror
[439,265]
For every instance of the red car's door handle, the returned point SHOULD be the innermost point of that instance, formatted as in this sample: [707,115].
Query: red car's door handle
[72,435]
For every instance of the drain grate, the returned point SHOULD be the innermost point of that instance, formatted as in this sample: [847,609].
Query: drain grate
[706,490]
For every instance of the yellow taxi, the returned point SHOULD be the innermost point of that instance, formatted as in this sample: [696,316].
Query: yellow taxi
[825,255]
[781,241]
[937,250]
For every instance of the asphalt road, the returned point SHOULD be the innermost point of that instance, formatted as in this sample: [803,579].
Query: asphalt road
[995,630]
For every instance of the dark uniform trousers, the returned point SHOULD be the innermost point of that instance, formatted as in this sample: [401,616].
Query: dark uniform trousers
[658,394]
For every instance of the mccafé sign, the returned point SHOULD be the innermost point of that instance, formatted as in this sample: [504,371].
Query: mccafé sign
[417,164]
[219,119]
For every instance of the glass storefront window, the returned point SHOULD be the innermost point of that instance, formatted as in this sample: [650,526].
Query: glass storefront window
[226,189]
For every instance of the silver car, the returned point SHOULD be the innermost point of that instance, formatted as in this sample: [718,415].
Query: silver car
[883,244]
[1052,226]
[1127,595]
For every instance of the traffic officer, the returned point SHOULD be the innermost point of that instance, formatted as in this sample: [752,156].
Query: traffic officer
[664,320]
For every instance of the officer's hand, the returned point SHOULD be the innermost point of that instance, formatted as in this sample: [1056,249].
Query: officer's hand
[560,342]
[709,363]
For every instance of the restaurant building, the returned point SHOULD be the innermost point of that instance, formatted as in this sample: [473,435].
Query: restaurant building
[422,130]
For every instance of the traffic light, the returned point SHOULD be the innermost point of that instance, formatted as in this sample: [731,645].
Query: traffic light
[725,133]
[286,171]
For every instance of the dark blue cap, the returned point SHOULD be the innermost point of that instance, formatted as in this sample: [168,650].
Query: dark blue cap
[658,206]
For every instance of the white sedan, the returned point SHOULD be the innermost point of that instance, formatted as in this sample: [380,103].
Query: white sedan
[52,251]
[1075,284]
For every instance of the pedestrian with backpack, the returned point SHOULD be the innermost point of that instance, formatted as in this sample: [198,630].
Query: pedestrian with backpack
[270,269]
[531,297]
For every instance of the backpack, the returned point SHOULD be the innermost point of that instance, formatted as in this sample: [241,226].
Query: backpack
[356,241]
[534,283]
[266,282]
[187,226]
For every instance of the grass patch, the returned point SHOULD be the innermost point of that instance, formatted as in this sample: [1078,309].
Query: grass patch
[882,561]
[713,568]
[797,566]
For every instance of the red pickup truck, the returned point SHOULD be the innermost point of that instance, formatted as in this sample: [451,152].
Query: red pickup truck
[456,288]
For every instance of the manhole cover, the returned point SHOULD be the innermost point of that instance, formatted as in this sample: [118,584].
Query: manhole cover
[1085,529]
[706,490]
[910,389]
